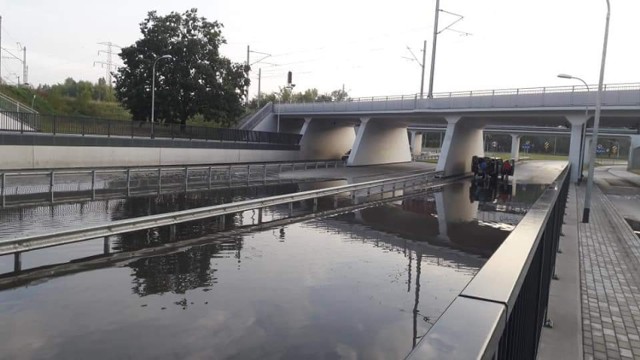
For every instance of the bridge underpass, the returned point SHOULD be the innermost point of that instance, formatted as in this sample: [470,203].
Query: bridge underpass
[464,113]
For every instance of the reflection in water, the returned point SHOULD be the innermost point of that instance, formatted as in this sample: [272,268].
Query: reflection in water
[364,284]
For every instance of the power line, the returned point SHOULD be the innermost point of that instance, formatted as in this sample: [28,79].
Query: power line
[109,65]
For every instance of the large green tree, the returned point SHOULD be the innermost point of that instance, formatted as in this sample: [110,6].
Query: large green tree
[197,80]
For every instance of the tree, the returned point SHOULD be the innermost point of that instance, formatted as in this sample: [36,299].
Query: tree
[198,80]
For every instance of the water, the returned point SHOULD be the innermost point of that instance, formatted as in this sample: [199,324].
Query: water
[363,284]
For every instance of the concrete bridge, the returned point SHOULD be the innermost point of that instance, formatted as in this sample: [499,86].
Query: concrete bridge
[375,128]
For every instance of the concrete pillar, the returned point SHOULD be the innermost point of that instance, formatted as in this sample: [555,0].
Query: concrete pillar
[379,141]
[416,143]
[515,147]
[324,139]
[577,122]
[634,153]
[462,140]
[585,148]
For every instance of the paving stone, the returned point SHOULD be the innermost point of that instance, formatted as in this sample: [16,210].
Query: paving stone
[610,281]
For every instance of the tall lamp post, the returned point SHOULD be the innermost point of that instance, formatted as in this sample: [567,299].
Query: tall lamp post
[153,89]
[584,126]
[596,123]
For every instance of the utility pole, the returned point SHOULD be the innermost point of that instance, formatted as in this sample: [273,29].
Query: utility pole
[422,65]
[259,84]
[435,40]
[109,63]
[25,78]
[433,49]
[249,63]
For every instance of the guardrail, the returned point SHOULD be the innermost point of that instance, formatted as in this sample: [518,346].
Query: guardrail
[51,184]
[86,126]
[555,96]
[500,313]
[250,121]
[29,243]
[9,104]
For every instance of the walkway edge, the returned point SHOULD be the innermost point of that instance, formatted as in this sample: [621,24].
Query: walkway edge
[564,340]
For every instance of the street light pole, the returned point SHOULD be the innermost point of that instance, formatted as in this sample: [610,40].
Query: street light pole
[153,89]
[584,126]
[596,122]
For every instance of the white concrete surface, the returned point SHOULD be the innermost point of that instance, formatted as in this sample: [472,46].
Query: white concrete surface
[515,147]
[380,141]
[323,140]
[462,140]
[416,143]
[38,157]
[634,153]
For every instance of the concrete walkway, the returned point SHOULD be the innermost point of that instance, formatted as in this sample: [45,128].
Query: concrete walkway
[609,271]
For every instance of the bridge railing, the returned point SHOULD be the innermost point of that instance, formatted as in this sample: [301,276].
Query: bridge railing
[9,104]
[500,313]
[11,121]
[627,94]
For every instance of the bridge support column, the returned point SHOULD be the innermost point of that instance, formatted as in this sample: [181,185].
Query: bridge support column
[416,143]
[515,147]
[576,155]
[323,139]
[462,140]
[380,142]
[634,153]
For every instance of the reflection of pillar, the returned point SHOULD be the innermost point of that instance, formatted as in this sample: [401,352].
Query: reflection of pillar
[515,147]
[577,122]
[417,297]
[453,206]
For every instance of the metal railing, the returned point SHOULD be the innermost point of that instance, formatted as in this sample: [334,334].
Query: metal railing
[9,104]
[87,126]
[500,313]
[33,242]
[250,121]
[20,187]
[554,96]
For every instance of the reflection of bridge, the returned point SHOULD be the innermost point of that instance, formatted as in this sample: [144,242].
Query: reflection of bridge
[382,122]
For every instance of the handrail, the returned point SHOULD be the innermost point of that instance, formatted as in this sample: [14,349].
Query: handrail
[500,313]
[33,242]
[492,92]
[250,121]
[15,105]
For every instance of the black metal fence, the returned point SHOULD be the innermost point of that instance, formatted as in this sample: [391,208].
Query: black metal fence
[88,126]
[501,312]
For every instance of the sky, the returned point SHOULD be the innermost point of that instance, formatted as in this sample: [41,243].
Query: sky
[361,45]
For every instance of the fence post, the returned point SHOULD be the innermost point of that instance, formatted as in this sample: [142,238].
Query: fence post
[108,127]
[159,180]
[93,185]
[229,174]
[4,183]
[128,182]
[259,215]
[132,128]
[82,126]
[209,178]
[248,173]
[51,184]
[186,178]
[55,124]
[17,262]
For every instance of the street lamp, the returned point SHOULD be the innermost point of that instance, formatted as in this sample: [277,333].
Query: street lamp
[584,126]
[596,123]
[153,89]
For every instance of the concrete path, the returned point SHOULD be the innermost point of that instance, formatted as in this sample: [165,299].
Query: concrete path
[609,270]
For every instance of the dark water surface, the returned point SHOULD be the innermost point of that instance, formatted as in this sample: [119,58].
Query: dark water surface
[362,284]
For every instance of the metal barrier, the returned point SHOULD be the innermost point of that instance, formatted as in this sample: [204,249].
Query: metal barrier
[500,313]
[86,126]
[50,184]
[555,96]
[9,104]
[28,243]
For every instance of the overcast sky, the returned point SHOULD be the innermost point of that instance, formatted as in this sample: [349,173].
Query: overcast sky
[361,44]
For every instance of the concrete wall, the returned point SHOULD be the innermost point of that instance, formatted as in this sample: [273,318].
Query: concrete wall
[39,157]
[323,139]
[380,141]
